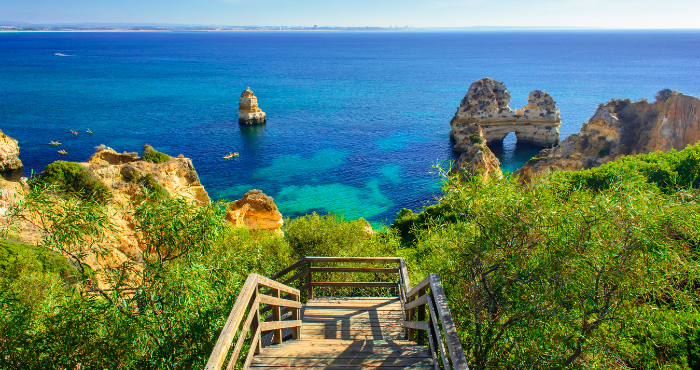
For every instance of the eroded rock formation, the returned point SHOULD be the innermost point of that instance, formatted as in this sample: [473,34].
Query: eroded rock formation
[124,174]
[622,127]
[476,159]
[255,211]
[486,103]
[248,111]
[9,153]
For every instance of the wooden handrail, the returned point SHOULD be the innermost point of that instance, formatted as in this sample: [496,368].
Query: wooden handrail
[249,300]
[306,264]
[439,322]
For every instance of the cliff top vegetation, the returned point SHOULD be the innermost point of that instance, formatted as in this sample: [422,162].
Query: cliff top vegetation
[580,270]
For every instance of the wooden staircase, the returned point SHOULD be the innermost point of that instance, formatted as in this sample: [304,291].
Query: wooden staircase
[340,332]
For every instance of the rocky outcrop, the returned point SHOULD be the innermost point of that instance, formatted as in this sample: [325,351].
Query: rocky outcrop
[126,175]
[255,211]
[622,127]
[9,153]
[248,111]
[476,159]
[486,103]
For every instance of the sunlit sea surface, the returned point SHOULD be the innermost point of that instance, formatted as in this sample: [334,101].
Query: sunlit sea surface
[356,120]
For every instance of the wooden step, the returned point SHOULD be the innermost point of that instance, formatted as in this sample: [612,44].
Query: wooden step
[360,359]
[343,354]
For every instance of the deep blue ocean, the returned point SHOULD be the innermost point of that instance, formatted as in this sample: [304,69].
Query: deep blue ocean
[356,120]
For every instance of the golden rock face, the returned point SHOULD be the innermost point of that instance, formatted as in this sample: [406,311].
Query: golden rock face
[255,211]
[248,111]
[622,127]
[9,153]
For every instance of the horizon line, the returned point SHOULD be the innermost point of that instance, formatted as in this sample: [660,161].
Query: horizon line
[21,24]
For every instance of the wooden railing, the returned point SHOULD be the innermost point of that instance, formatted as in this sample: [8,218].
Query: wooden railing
[428,293]
[310,266]
[250,300]
[438,322]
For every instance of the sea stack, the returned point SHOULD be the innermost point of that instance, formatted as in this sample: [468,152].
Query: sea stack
[248,111]
[9,153]
[486,103]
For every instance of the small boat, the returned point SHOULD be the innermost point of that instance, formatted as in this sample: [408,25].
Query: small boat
[61,54]
[88,131]
[74,132]
[62,152]
[54,143]
[231,155]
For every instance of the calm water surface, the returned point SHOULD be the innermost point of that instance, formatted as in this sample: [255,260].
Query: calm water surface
[355,120]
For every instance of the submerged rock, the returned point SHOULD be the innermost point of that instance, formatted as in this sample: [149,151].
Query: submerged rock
[255,211]
[9,153]
[486,103]
[248,111]
[623,127]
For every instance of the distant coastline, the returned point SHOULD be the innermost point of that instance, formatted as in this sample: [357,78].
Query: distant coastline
[10,26]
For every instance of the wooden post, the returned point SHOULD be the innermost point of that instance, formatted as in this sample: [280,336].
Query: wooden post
[254,332]
[277,316]
[410,333]
[421,317]
[296,315]
[311,279]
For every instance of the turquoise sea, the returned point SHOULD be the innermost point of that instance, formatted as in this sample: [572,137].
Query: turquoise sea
[356,120]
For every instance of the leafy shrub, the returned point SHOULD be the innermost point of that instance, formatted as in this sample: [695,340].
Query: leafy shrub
[72,178]
[154,156]
[130,174]
[330,235]
[149,183]
[667,171]
[30,257]
[475,139]
[407,222]
[663,95]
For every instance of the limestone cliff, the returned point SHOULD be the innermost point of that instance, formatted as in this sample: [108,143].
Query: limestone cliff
[9,153]
[486,103]
[476,159]
[126,175]
[623,127]
[248,111]
[255,211]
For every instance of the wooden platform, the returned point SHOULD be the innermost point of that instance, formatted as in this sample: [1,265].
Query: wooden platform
[348,333]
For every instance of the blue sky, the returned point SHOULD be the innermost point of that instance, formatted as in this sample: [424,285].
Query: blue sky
[417,13]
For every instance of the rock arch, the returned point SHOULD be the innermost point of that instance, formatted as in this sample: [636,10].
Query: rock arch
[486,104]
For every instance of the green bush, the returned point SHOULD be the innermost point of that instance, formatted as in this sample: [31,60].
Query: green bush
[330,235]
[475,139]
[73,178]
[149,183]
[667,171]
[154,156]
[408,223]
[15,257]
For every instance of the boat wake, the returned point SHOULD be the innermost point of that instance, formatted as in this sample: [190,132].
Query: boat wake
[62,55]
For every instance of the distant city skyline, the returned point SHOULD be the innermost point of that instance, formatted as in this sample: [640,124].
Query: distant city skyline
[612,14]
